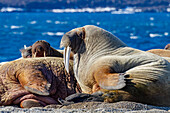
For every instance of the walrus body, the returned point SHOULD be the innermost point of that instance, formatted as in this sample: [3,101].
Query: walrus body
[100,58]
[35,80]
[160,52]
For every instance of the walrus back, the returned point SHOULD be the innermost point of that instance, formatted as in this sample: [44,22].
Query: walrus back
[62,83]
[149,74]
[151,77]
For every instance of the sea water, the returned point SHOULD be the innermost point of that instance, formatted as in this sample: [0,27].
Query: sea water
[140,30]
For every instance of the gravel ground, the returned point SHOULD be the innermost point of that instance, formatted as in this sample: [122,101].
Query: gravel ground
[90,107]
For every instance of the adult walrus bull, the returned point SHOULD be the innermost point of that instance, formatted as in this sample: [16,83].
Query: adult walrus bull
[34,82]
[102,61]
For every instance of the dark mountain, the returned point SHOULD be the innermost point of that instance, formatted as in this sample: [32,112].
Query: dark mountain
[145,5]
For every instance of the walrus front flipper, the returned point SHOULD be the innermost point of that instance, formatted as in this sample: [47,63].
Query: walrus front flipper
[81,97]
[110,81]
[106,77]
[33,80]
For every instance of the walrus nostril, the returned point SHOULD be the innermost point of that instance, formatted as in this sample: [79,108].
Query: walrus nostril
[39,48]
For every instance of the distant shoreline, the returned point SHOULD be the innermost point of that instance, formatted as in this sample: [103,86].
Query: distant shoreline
[144,5]
[113,10]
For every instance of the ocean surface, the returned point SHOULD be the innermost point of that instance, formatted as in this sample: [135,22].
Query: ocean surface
[139,30]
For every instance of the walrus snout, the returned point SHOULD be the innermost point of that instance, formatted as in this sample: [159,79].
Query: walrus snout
[39,52]
[73,39]
[40,48]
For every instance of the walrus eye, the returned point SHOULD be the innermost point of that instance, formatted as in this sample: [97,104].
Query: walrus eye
[67,51]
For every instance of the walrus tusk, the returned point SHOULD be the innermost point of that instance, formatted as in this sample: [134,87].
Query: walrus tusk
[25,47]
[35,55]
[67,51]
[44,54]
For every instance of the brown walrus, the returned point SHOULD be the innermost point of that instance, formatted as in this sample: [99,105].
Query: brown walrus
[42,48]
[167,47]
[34,82]
[160,52]
[102,61]
[165,53]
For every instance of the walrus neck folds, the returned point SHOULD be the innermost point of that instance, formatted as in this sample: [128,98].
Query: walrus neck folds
[97,40]
[96,44]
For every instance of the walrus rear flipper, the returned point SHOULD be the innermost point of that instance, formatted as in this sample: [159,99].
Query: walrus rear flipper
[34,81]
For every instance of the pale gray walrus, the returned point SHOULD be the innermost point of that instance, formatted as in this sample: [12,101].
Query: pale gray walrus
[33,82]
[100,58]
[26,52]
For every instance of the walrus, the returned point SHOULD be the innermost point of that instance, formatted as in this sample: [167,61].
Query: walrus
[165,53]
[41,48]
[33,82]
[26,52]
[104,62]
[160,52]
[167,47]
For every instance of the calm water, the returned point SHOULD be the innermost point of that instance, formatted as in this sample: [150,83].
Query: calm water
[142,31]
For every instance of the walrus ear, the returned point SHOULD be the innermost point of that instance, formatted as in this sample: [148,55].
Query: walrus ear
[81,33]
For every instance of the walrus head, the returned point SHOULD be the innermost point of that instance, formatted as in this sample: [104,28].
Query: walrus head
[26,52]
[88,40]
[40,48]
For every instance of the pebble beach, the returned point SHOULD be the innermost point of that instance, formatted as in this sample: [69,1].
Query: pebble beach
[90,107]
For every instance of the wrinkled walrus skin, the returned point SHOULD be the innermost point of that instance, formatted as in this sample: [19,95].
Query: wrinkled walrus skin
[102,62]
[35,79]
